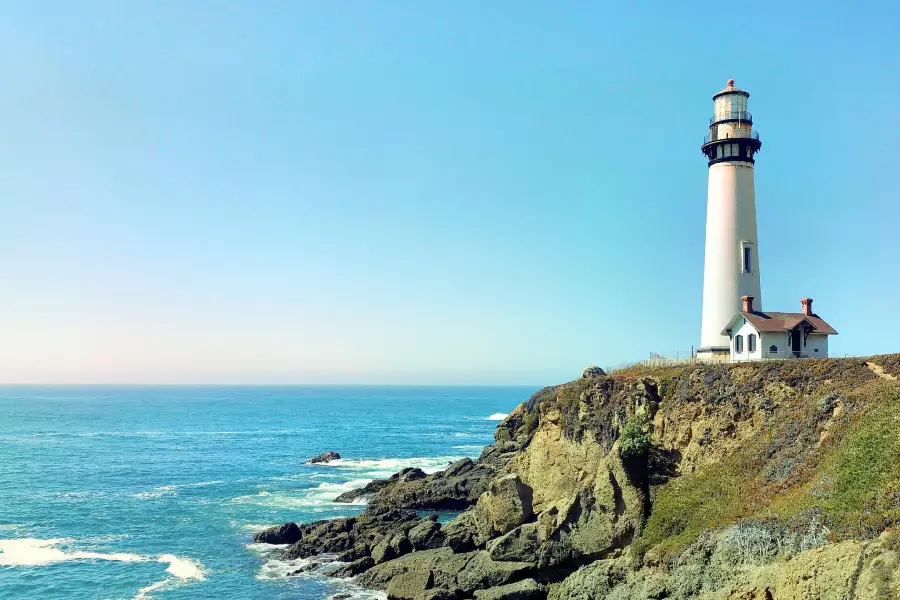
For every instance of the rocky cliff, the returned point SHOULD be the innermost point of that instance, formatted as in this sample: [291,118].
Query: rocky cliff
[761,481]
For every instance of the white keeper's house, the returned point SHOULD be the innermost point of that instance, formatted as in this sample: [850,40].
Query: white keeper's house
[757,335]
[734,325]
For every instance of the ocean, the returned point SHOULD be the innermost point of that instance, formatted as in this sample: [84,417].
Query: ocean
[140,492]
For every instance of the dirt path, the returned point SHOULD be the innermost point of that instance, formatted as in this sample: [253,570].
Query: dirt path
[879,370]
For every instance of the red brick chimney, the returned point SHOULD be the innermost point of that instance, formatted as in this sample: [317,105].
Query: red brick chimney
[806,303]
[747,303]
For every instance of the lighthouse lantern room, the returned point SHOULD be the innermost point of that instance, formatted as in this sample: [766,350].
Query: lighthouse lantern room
[731,266]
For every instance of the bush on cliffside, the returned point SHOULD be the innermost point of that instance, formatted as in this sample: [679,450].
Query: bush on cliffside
[636,436]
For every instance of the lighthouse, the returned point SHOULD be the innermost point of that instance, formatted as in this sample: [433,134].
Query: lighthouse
[731,267]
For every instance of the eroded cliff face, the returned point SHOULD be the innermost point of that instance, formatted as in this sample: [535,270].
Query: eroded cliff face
[775,480]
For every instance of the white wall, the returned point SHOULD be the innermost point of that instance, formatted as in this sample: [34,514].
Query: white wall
[816,341]
[780,341]
[745,331]
[730,220]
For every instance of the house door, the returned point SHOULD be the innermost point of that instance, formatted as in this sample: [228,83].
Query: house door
[796,336]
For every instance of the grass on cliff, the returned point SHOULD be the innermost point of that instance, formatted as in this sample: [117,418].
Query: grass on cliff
[853,480]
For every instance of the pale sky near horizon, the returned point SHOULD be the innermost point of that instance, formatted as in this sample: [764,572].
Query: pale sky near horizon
[424,192]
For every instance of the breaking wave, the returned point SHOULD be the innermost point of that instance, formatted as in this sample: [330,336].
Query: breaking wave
[317,567]
[497,417]
[381,468]
[31,552]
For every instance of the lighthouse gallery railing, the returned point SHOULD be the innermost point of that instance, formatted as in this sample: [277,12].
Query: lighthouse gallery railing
[733,134]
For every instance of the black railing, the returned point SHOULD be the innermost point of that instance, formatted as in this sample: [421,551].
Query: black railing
[737,115]
[734,134]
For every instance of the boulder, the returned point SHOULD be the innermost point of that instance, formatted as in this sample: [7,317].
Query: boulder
[459,534]
[401,545]
[521,543]
[410,585]
[383,552]
[527,589]
[481,571]
[426,535]
[289,533]
[506,505]
[351,538]
[437,594]
[379,576]
[592,371]
[325,457]
[455,488]
[354,568]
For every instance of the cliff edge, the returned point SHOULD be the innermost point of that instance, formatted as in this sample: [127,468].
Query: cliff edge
[755,481]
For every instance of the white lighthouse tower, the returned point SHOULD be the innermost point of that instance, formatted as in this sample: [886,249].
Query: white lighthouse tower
[731,268]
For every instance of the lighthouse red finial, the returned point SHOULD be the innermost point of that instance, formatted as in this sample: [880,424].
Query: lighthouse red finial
[731,83]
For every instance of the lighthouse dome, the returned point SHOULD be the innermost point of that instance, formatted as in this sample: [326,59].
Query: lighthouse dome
[730,89]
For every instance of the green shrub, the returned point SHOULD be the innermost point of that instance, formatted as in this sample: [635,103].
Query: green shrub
[635,440]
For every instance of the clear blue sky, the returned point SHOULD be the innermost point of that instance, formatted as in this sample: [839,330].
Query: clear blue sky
[424,192]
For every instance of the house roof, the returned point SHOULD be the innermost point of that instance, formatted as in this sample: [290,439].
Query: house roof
[781,321]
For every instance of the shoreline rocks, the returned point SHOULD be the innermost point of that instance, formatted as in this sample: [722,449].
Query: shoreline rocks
[553,510]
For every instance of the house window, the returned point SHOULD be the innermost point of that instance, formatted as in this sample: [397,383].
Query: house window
[738,344]
[747,264]
[751,342]
[773,348]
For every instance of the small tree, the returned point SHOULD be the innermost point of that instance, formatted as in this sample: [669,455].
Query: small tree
[635,440]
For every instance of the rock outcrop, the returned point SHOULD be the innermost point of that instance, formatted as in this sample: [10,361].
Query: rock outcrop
[592,371]
[765,481]
[325,457]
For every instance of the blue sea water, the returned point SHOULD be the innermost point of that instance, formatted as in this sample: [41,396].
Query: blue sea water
[155,492]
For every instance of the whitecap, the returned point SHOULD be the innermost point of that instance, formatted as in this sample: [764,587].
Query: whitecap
[317,567]
[497,417]
[170,490]
[31,552]
[379,468]
[321,496]
[182,570]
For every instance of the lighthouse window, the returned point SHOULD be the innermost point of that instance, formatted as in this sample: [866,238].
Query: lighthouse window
[749,155]
[735,150]
[747,265]
[738,344]
[727,150]
[718,151]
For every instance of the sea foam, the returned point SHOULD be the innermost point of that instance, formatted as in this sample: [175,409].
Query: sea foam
[497,417]
[31,552]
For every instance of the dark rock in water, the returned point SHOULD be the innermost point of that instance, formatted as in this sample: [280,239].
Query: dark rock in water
[363,493]
[324,458]
[288,533]
[304,569]
[341,596]
[592,371]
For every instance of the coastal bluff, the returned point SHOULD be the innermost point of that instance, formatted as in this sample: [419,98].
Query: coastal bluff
[776,480]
